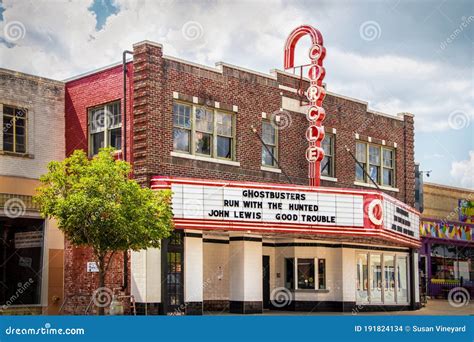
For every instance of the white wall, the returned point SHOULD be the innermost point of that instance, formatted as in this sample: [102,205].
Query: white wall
[193,269]
[146,275]
[245,259]
[44,101]
[216,271]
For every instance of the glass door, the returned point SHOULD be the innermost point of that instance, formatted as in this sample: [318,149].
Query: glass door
[174,275]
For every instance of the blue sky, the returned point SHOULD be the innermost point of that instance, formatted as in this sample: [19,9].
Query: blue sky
[400,56]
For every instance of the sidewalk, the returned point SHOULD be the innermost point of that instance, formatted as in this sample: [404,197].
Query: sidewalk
[434,307]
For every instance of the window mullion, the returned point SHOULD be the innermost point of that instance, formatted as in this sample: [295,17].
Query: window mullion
[214,134]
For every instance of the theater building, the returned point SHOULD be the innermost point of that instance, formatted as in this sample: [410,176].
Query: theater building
[31,248]
[446,231]
[251,234]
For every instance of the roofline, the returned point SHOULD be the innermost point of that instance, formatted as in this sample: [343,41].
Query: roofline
[219,69]
[448,187]
[95,71]
[25,75]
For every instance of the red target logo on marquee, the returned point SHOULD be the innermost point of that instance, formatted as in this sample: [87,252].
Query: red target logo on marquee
[375,212]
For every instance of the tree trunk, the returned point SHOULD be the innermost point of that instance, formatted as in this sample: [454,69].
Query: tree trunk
[101,311]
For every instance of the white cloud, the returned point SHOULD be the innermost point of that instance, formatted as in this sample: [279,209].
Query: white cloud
[463,172]
[61,41]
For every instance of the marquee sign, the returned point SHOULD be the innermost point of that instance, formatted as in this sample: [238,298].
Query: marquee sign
[315,94]
[221,205]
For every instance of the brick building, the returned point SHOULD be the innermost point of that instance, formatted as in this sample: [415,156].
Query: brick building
[251,234]
[31,248]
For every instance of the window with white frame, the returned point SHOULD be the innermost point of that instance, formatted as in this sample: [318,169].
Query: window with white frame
[14,129]
[382,278]
[327,164]
[105,127]
[203,131]
[376,161]
[270,147]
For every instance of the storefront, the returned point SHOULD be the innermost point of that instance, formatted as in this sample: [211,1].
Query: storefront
[447,257]
[246,247]
[446,232]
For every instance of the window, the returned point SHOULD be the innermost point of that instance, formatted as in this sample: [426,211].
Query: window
[290,273]
[362,278]
[306,273]
[376,278]
[321,274]
[377,161]
[14,129]
[389,275]
[385,281]
[327,164]
[203,131]
[402,277]
[361,156]
[270,138]
[105,127]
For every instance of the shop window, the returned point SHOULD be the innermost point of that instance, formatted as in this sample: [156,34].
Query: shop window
[327,164]
[449,262]
[321,274]
[362,278]
[376,278]
[21,253]
[389,278]
[306,274]
[376,161]
[14,129]
[270,139]
[203,131]
[402,279]
[105,127]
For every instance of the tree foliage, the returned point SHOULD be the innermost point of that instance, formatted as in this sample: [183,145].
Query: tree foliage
[96,204]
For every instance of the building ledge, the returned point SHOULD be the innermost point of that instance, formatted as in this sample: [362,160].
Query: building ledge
[206,159]
[330,179]
[270,169]
[381,187]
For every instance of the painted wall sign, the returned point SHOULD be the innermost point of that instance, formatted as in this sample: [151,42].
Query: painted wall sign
[29,239]
[315,94]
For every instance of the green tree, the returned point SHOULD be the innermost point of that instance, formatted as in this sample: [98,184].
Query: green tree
[97,205]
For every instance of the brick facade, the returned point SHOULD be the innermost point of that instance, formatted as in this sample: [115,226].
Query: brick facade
[157,79]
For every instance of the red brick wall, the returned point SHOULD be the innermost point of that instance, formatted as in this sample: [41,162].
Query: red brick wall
[156,78]
[89,91]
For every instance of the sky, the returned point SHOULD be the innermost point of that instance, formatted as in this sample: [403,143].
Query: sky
[399,56]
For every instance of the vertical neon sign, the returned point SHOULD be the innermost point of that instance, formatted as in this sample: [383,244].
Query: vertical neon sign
[315,94]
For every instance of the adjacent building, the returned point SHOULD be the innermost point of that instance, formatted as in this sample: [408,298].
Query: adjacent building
[446,230]
[250,234]
[31,248]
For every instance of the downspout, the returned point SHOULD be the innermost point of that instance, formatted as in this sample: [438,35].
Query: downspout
[405,157]
[124,147]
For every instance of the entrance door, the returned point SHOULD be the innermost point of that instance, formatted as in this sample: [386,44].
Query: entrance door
[174,275]
[266,281]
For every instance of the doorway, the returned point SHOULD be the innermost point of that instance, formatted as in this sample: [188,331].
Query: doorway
[266,281]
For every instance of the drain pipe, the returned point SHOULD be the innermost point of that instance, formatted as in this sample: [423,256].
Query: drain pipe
[124,148]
